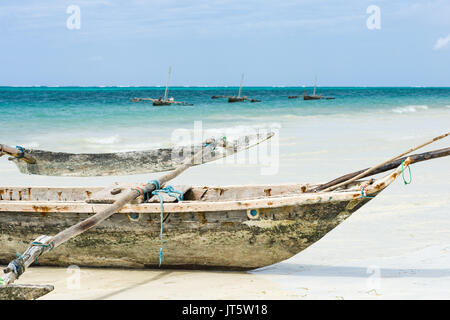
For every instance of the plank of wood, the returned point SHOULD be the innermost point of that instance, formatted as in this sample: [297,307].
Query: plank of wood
[385,162]
[388,166]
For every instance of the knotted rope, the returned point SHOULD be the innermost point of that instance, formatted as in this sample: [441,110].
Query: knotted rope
[363,192]
[22,152]
[172,193]
[403,175]
[43,247]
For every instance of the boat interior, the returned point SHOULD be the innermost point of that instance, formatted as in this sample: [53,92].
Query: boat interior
[190,193]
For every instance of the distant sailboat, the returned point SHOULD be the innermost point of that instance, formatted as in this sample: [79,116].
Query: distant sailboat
[237,98]
[314,96]
[163,101]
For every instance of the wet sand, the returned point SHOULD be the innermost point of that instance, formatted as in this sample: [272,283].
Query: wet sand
[105,284]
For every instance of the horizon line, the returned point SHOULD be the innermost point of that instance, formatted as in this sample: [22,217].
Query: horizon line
[221,86]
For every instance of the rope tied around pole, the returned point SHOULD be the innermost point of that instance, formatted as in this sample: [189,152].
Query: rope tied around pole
[213,144]
[21,154]
[16,266]
[172,193]
[43,246]
[403,175]
[363,192]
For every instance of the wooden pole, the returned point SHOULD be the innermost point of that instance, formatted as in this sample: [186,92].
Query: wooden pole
[4,149]
[46,243]
[389,166]
[365,173]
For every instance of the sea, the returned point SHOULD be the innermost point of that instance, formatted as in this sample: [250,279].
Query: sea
[314,140]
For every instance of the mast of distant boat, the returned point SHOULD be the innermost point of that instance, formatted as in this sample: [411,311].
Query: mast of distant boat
[167,84]
[315,84]
[240,88]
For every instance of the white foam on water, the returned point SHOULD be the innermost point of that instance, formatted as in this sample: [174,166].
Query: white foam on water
[409,109]
[31,145]
[104,140]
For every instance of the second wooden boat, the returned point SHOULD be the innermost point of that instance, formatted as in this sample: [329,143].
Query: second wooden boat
[237,98]
[166,101]
[314,96]
[50,163]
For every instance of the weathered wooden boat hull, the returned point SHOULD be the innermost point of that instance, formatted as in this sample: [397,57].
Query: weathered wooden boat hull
[192,240]
[161,103]
[306,97]
[216,227]
[236,99]
[158,102]
[124,163]
[24,292]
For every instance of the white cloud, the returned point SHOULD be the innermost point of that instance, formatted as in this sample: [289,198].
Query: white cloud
[442,42]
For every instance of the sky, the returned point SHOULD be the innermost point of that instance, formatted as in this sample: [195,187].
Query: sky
[212,42]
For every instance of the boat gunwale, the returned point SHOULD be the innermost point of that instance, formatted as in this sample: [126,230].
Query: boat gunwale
[208,206]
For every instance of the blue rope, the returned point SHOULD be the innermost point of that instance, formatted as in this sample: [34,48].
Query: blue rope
[22,152]
[363,193]
[43,246]
[173,193]
[214,144]
[155,183]
[14,264]
[403,175]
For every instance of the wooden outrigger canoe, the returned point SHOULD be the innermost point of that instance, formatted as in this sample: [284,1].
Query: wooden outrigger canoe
[49,163]
[235,227]
[237,98]
[163,101]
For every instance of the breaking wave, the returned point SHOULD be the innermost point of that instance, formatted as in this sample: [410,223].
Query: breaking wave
[410,109]
[104,140]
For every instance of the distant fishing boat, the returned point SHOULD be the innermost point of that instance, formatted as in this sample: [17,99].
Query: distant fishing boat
[314,96]
[163,101]
[237,98]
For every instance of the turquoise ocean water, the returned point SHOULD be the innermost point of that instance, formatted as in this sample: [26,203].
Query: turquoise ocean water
[317,139]
[104,118]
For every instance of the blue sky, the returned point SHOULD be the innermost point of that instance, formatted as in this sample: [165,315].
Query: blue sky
[211,42]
